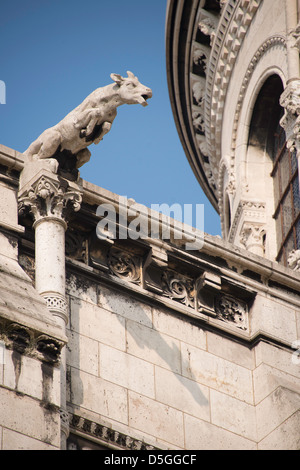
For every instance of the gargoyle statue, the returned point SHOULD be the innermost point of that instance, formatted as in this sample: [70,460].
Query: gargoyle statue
[67,141]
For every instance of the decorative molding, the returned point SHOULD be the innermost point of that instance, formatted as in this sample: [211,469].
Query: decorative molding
[195,293]
[56,304]
[106,435]
[207,24]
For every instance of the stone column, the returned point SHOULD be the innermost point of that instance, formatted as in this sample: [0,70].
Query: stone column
[50,199]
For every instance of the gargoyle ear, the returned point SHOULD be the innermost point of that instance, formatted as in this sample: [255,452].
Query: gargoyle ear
[130,74]
[116,78]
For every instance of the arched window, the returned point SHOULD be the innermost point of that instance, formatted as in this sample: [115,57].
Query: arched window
[269,139]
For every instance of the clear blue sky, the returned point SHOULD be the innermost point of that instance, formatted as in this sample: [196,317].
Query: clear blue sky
[54,53]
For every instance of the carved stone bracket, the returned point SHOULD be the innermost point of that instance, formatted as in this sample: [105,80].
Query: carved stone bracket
[30,342]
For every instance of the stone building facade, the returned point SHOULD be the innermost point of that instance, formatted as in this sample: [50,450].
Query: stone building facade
[136,341]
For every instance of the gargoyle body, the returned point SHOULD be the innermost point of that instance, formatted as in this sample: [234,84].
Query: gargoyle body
[67,141]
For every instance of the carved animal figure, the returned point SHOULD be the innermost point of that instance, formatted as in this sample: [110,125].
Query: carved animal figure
[89,122]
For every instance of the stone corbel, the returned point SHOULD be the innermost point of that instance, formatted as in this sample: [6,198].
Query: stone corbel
[207,286]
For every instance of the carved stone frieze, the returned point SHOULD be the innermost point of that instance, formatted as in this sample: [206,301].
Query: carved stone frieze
[179,288]
[124,265]
[198,122]
[156,271]
[232,311]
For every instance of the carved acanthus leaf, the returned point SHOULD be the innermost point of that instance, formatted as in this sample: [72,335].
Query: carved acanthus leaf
[48,198]
[124,265]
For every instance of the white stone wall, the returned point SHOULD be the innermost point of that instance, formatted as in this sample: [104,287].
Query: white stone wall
[155,376]
[29,395]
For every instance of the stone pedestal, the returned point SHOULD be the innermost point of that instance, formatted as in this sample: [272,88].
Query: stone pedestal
[50,199]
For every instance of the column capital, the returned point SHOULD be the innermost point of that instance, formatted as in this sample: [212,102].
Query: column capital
[47,195]
[290,101]
[252,237]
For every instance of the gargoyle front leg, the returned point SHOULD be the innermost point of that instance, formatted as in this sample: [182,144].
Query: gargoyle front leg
[86,121]
[106,126]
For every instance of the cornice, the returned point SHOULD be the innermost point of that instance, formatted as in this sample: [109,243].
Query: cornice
[105,435]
